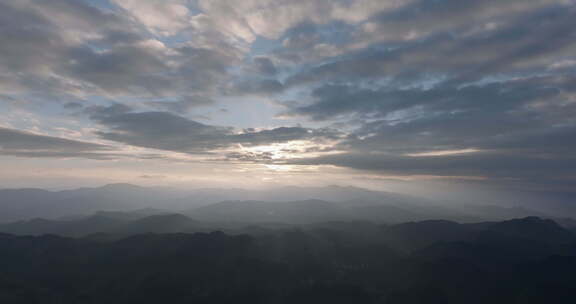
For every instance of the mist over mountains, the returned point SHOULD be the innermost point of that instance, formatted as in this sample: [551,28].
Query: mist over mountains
[282,205]
[127,209]
[122,243]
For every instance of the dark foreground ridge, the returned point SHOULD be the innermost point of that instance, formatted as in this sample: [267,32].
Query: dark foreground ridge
[529,260]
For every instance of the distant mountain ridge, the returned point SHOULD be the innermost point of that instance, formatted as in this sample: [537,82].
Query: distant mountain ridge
[338,202]
[105,222]
[18,204]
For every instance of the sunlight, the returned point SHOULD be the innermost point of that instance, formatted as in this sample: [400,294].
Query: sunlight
[443,152]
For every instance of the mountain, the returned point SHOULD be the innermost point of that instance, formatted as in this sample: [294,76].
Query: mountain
[132,214]
[526,260]
[115,223]
[416,235]
[88,225]
[497,248]
[337,203]
[165,223]
[21,204]
[306,211]
[419,235]
[393,214]
[533,228]
[310,211]
[296,193]
[315,211]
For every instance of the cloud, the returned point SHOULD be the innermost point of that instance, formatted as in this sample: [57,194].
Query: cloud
[256,86]
[510,43]
[517,128]
[167,131]
[271,18]
[183,104]
[250,157]
[256,77]
[487,165]
[56,29]
[24,144]
[161,130]
[419,18]
[331,100]
[265,66]
[394,78]
[161,16]
[89,51]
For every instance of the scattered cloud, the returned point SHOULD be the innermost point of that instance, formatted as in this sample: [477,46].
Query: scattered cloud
[386,87]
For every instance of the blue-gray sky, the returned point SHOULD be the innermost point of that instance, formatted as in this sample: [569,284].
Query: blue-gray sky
[259,92]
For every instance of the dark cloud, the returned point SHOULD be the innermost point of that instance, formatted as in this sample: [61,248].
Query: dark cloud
[518,43]
[257,87]
[25,144]
[73,105]
[23,33]
[257,78]
[167,131]
[162,130]
[448,76]
[302,36]
[521,128]
[143,69]
[120,70]
[250,157]
[265,66]
[379,101]
[489,165]
[422,17]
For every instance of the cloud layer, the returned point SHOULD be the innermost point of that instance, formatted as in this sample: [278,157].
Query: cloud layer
[478,88]
[168,131]
[25,144]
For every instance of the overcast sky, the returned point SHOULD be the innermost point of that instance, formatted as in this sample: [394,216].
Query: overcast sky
[270,92]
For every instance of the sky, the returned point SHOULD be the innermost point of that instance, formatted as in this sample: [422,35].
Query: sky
[375,93]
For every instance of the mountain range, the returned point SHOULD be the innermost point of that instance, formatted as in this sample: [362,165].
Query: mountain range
[285,205]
